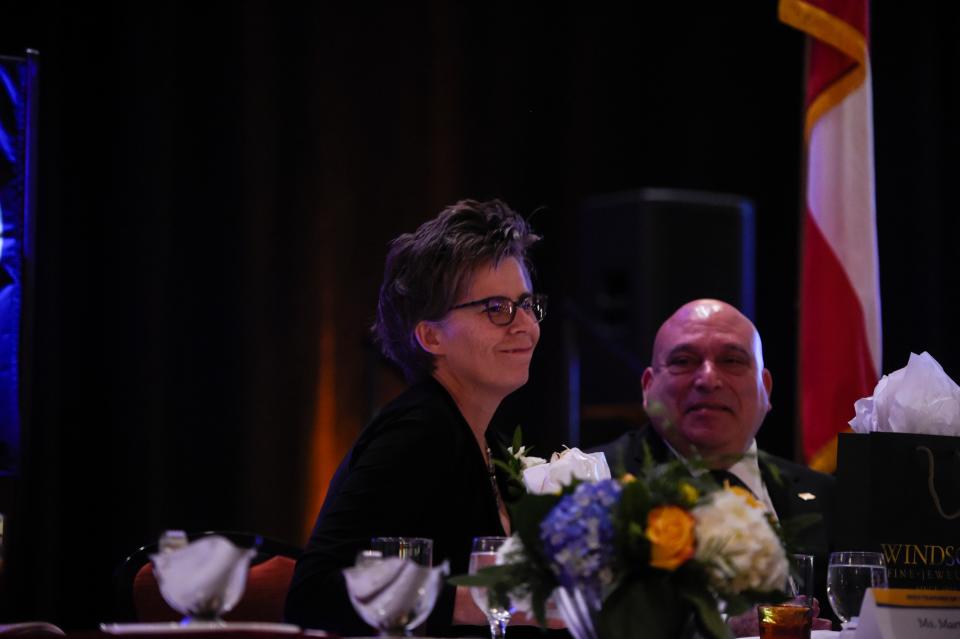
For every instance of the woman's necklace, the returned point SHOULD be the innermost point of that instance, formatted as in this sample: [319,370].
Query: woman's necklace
[492,474]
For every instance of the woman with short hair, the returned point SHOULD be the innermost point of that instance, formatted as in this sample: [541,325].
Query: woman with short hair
[457,312]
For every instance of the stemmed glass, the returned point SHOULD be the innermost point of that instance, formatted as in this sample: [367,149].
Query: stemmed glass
[485,554]
[849,574]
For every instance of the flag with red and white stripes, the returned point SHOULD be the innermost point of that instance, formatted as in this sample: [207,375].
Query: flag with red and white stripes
[840,339]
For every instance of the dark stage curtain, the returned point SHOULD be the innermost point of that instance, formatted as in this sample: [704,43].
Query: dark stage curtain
[218,182]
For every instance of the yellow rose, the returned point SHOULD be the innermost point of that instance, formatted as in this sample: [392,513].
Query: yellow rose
[689,493]
[628,478]
[743,492]
[670,531]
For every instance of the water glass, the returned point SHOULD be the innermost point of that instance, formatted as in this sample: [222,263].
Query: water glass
[800,584]
[849,574]
[417,549]
[485,554]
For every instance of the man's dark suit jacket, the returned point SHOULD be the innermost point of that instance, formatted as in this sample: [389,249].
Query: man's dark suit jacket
[626,455]
[415,471]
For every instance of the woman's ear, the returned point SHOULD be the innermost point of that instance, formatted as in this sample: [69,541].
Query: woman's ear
[429,337]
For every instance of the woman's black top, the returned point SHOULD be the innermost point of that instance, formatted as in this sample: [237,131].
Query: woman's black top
[414,471]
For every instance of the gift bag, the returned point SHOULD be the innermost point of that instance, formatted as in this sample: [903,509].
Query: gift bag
[899,494]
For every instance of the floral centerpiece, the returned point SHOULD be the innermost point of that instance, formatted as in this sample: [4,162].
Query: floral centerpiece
[652,556]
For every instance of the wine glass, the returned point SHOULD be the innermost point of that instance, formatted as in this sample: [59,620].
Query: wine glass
[485,554]
[849,574]
[419,549]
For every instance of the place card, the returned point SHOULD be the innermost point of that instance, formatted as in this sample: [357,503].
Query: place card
[898,613]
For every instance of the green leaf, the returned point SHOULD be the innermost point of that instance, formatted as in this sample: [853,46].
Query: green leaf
[517,438]
[506,467]
[488,577]
[737,604]
[630,517]
[498,580]
[648,608]
[539,604]
[792,527]
[526,514]
[705,608]
[772,468]
[648,463]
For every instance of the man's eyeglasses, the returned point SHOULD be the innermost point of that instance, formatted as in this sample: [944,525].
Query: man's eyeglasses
[503,310]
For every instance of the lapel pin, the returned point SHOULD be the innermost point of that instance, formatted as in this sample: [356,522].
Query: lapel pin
[806,496]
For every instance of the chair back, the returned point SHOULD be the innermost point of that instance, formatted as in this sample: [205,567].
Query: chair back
[139,598]
[31,629]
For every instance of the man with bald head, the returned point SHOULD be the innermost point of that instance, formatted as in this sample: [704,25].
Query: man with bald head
[706,393]
[707,389]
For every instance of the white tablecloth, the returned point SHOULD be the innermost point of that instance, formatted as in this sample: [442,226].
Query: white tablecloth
[824,634]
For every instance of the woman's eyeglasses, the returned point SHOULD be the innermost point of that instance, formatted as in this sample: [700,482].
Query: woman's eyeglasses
[503,310]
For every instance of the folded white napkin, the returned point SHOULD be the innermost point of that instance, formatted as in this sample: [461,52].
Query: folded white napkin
[562,468]
[394,593]
[204,579]
[919,398]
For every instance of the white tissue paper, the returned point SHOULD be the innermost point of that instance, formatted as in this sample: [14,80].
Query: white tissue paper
[563,468]
[394,593]
[204,579]
[919,398]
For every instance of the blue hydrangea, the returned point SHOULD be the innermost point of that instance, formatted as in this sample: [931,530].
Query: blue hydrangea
[578,537]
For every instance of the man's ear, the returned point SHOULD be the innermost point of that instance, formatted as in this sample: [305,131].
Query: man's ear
[645,381]
[768,385]
[429,337]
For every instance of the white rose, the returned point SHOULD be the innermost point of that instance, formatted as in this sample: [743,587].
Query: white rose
[530,462]
[738,546]
[525,461]
[563,468]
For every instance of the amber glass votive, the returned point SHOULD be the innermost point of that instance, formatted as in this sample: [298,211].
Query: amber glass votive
[785,621]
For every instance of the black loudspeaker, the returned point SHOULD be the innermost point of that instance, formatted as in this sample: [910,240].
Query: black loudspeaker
[642,255]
